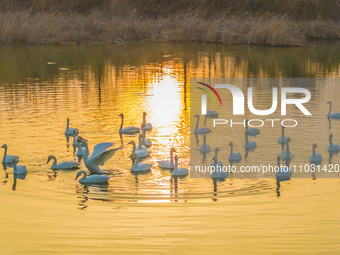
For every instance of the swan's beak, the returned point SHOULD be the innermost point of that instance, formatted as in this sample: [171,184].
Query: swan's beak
[3,146]
[316,145]
[76,177]
[48,161]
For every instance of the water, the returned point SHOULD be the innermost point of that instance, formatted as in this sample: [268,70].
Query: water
[51,213]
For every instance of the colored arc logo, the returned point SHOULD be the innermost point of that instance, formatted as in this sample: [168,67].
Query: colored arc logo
[208,86]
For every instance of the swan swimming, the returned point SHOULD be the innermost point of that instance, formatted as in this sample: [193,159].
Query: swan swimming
[202,130]
[204,147]
[219,173]
[140,167]
[8,159]
[248,145]
[18,169]
[168,164]
[140,153]
[147,126]
[234,156]
[179,172]
[282,139]
[332,147]
[286,154]
[69,130]
[145,141]
[283,172]
[335,115]
[215,162]
[92,179]
[127,130]
[315,158]
[62,165]
[252,131]
[212,114]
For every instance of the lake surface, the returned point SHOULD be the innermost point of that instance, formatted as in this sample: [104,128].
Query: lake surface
[51,213]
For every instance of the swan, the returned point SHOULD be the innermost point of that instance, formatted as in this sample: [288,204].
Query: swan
[249,145]
[335,115]
[252,131]
[62,165]
[18,169]
[202,130]
[98,157]
[315,157]
[92,179]
[140,153]
[283,138]
[234,156]
[147,126]
[8,159]
[168,164]
[282,172]
[69,131]
[218,173]
[178,172]
[211,113]
[140,143]
[140,167]
[286,154]
[127,130]
[216,163]
[145,141]
[81,151]
[332,147]
[204,147]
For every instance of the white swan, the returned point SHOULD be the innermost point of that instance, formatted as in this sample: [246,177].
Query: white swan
[234,156]
[204,147]
[283,138]
[18,169]
[282,171]
[215,162]
[145,141]
[127,130]
[202,130]
[92,179]
[140,143]
[286,154]
[168,164]
[332,147]
[335,115]
[252,131]
[179,172]
[248,145]
[148,126]
[218,173]
[62,165]
[315,157]
[8,159]
[140,167]
[211,113]
[69,130]
[140,153]
[98,157]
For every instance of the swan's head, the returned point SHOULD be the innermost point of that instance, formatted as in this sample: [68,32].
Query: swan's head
[214,158]
[288,139]
[68,119]
[314,145]
[121,115]
[173,149]
[132,142]
[217,149]
[49,158]
[4,146]
[328,102]
[330,135]
[144,114]
[13,160]
[231,143]
[79,174]
[196,116]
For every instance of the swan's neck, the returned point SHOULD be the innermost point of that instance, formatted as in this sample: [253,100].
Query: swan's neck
[314,154]
[287,147]
[84,177]
[143,134]
[330,108]
[144,119]
[246,125]
[54,162]
[216,155]
[136,161]
[176,164]
[204,141]
[15,169]
[330,141]
[198,120]
[246,137]
[231,149]
[171,159]
[5,153]
[283,131]
[121,124]
[133,147]
[67,125]
[139,143]
[86,152]
[278,162]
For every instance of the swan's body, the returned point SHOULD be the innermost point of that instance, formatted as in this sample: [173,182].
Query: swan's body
[140,167]
[204,147]
[18,169]
[168,164]
[335,115]
[202,130]
[219,173]
[179,172]
[215,162]
[234,156]
[147,126]
[81,151]
[283,138]
[8,159]
[315,157]
[69,130]
[211,113]
[127,130]
[145,141]
[282,171]
[92,179]
[333,147]
[252,131]
[286,154]
[62,165]
[140,153]
[247,144]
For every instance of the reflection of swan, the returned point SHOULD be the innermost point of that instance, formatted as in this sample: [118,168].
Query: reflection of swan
[283,138]
[234,156]
[62,165]
[18,169]
[140,153]
[92,179]
[168,164]
[215,162]
[204,147]
[145,141]
[69,131]
[315,158]
[286,154]
[148,126]
[202,130]
[127,130]
[282,172]
[140,167]
[332,147]
[335,115]
[248,145]
[179,171]
[8,159]
[252,131]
